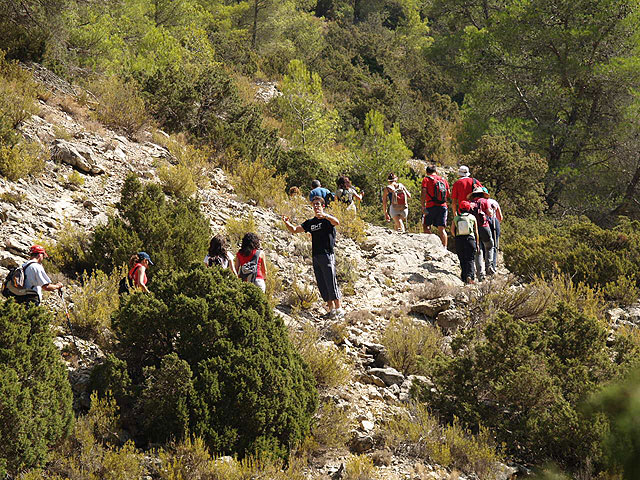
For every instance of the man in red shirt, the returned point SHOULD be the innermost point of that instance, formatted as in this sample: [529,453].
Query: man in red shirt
[462,187]
[435,191]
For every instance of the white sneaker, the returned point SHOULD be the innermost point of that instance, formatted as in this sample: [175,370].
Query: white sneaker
[338,313]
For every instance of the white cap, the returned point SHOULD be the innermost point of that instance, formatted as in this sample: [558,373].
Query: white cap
[463,171]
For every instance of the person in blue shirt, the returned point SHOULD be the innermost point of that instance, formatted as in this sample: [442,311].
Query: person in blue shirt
[318,190]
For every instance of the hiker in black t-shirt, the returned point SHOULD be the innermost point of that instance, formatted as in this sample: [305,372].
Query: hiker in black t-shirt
[322,228]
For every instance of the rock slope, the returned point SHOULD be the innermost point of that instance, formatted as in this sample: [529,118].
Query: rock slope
[389,269]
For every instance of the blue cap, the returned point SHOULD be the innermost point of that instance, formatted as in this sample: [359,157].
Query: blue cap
[145,256]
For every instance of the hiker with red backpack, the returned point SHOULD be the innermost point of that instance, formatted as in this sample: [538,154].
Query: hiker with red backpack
[26,283]
[480,209]
[219,255]
[462,187]
[322,228]
[464,229]
[137,275]
[250,261]
[435,191]
[395,202]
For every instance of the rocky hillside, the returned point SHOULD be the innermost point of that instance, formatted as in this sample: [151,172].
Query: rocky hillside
[391,274]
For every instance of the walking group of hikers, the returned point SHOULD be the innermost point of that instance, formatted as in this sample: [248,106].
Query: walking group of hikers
[475,224]
[475,227]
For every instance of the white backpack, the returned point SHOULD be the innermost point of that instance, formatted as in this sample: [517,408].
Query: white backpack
[463,225]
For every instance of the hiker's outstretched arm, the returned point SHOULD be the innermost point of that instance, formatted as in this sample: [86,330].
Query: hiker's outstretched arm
[264,263]
[291,227]
[50,287]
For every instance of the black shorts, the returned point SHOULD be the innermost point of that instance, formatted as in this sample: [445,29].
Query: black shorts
[436,216]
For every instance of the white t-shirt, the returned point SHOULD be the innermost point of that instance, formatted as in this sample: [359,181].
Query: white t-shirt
[35,277]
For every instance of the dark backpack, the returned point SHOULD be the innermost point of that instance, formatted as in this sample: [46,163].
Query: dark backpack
[329,198]
[218,261]
[249,271]
[477,212]
[13,285]
[345,196]
[126,284]
[439,191]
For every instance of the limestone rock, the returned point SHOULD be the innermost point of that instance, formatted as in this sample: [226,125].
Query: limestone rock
[431,308]
[77,155]
[450,320]
[361,443]
[390,376]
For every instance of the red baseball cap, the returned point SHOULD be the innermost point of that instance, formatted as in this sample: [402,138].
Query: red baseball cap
[38,249]
[464,206]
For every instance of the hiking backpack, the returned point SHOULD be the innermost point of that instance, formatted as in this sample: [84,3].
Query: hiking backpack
[13,285]
[399,196]
[344,196]
[219,261]
[249,271]
[126,283]
[439,191]
[477,212]
[463,225]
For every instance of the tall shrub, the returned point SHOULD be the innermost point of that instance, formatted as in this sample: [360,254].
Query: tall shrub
[174,232]
[35,396]
[207,348]
[526,379]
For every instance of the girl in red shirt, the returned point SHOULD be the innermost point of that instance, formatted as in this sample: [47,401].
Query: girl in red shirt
[248,249]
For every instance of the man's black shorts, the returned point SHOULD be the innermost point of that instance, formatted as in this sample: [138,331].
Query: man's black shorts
[436,216]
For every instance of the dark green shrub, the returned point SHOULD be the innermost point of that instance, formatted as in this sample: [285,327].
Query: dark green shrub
[620,402]
[35,396]
[221,364]
[526,380]
[174,233]
[166,398]
[600,258]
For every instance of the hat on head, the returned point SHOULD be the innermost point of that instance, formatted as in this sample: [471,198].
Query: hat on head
[464,206]
[478,192]
[38,249]
[391,176]
[463,171]
[145,256]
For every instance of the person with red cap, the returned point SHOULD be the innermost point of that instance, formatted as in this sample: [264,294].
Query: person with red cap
[35,278]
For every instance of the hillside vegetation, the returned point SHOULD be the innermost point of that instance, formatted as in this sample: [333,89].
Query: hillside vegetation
[538,98]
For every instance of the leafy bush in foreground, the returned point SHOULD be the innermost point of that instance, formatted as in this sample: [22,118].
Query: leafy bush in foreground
[587,253]
[35,396]
[526,379]
[206,351]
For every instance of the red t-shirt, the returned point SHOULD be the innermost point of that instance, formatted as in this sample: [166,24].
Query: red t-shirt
[429,182]
[463,187]
[133,271]
[242,259]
